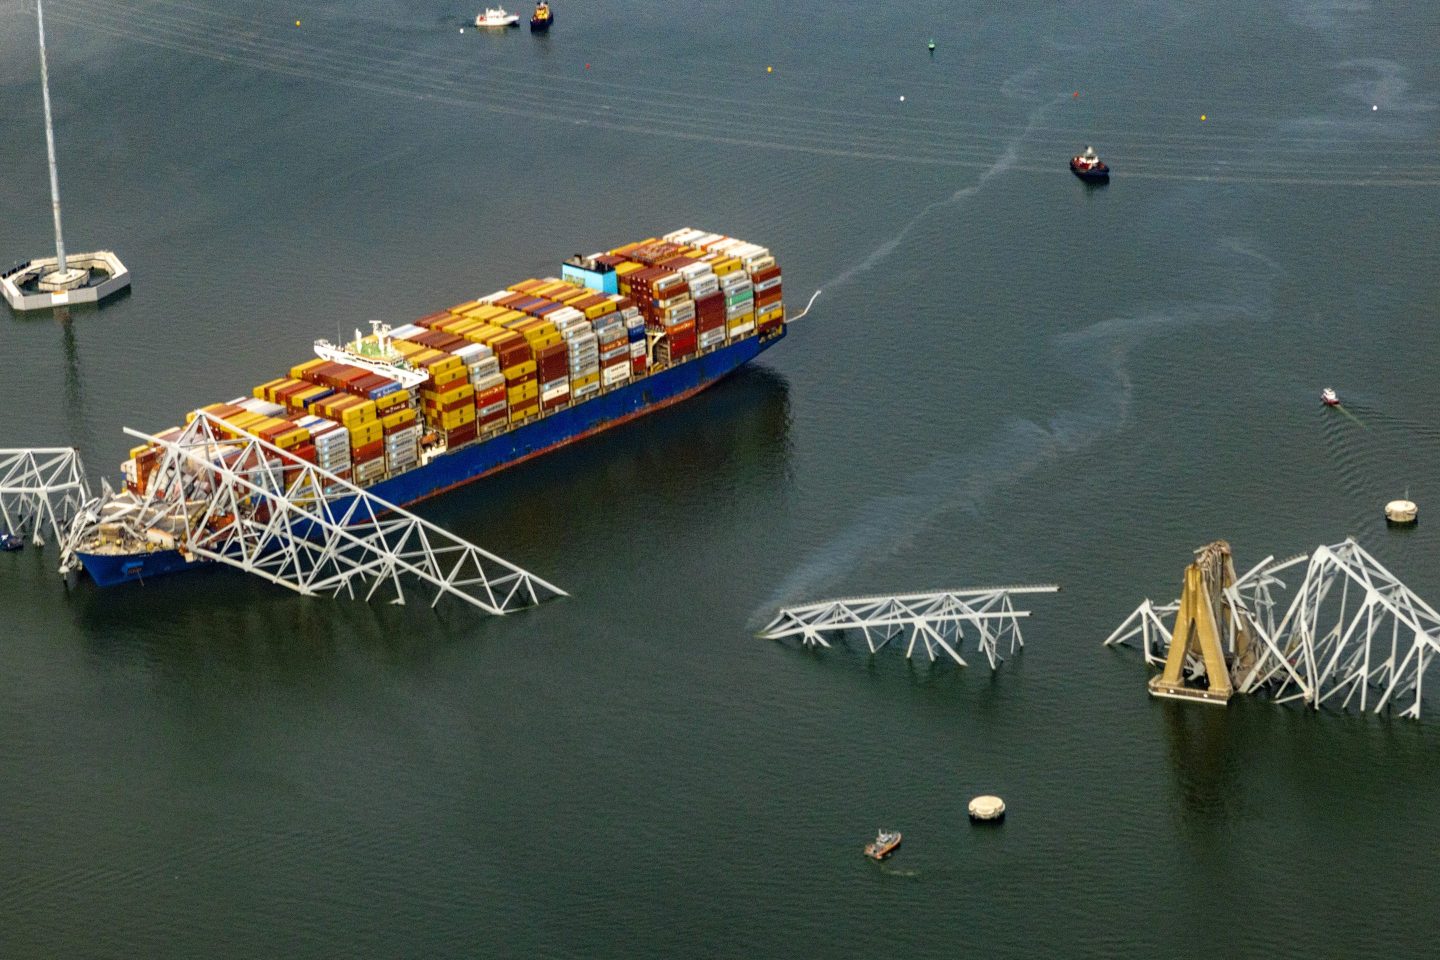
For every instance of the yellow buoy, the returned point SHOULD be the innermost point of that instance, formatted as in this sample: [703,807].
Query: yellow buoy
[769,69]
[1202,118]
[297,23]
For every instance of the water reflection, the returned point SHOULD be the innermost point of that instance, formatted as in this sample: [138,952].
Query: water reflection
[731,441]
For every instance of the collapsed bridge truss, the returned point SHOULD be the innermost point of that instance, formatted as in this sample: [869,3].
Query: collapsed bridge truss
[230,497]
[41,488]
[1353,636]
[934,621]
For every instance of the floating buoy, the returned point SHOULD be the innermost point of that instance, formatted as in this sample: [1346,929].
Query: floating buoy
[932,44]
[1202,118]
[1075,95]
[769,69]
[987,809]
[1374,106]
[902,98]
[1401,512]
[587,66]
[297,23]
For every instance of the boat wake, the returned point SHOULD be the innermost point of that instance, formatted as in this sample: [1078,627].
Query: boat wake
[966,481]
[1004,162]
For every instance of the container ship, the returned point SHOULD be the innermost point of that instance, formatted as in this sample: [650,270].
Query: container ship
[409,412]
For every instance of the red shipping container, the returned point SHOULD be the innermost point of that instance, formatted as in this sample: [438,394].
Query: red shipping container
[461,435]
[509,300]
[431,319]
[767,299]
[769,273]
[367,452]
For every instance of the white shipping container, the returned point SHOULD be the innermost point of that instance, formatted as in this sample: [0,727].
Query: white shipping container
[637,349]
[742,329]
[499,406]
[586,390]
[770,284]
[555,393]
[616,374]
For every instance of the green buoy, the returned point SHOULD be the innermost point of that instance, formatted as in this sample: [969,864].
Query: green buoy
[932,44]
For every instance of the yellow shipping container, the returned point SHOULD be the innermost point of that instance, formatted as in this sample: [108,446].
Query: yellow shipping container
[460,308]
[457,418]
[391,400]
[523,369]
[451,362]
[728,265]
[445,377]
[524,286]
[367,432]
[599,310]
[300,369]
[628,267]
[399,418]
[363,412]
[520,413]
[292,439]
[522,393]
[407,348]
[262,392]
[587,378]
[484,312]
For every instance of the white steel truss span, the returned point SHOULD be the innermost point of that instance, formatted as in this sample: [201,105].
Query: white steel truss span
[936,621]
[1353,636]
[243,502]
[41,487]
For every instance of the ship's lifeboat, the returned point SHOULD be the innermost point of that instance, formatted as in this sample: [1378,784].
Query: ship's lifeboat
[1329,397]
[542,18]
[1089,167]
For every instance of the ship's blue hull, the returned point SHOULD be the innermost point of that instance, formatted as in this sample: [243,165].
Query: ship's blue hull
[477,460]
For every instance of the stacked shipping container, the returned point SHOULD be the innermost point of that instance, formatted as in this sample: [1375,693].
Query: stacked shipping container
[519,353]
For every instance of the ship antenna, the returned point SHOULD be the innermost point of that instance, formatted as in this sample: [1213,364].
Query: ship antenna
[60,264]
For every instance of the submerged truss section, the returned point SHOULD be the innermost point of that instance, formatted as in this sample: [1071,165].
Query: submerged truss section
[1353,636]
[41,488]
[238,500]
[934,621]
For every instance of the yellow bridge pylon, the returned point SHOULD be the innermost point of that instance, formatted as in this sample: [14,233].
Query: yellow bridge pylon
[1204,617]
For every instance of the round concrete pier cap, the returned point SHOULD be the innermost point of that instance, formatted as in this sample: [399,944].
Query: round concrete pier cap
[987,808]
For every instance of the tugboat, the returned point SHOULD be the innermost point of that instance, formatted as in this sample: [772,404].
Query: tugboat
[542,18]
[497,17]
[1329,397]
[883,845]
[10,542]
[1089,167]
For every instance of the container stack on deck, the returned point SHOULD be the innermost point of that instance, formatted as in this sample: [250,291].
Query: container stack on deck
[494,363]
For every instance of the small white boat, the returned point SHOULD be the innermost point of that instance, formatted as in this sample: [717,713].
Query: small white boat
[1329,397]
[497,17]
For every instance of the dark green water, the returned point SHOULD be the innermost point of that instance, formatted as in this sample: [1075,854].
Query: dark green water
[1009,378]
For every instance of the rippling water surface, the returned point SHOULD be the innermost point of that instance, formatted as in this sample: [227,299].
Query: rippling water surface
[1009,378]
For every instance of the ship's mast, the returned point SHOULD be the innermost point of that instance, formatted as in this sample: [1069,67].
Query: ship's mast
[60,266]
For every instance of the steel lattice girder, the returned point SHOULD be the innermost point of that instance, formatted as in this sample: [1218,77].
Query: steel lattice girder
[39,487]
[1353,632]
[935,619]
[233,498]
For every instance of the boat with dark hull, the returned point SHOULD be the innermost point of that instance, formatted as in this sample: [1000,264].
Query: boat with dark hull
[542,19]
[410,413]
[1089,167]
